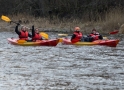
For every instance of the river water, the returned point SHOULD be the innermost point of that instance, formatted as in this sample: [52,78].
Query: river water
[61,67]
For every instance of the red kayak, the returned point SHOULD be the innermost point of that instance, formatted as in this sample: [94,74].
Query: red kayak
[51,42]
[110,43]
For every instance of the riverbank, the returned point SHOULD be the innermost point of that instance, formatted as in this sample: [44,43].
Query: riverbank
[67,25]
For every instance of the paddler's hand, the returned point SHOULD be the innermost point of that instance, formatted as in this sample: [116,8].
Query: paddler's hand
[18,24]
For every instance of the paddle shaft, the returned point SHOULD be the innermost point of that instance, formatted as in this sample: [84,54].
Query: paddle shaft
[113,32]
[13,22]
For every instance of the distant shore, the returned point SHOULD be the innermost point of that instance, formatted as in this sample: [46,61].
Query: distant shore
[65,25]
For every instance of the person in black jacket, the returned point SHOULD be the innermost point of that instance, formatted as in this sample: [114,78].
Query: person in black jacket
[23,33]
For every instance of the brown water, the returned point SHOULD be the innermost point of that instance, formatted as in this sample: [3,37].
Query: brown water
[61,67]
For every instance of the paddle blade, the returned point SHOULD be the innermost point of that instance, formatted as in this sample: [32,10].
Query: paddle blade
[44,35]
[62,34]
[105,38]
[60,39]
[5,18]
[114,32]
[21,41]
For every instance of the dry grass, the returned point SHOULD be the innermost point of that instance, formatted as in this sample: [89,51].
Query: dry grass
[113,19]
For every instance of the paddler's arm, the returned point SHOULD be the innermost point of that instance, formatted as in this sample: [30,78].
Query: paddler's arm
[29,35]
[73,36]
[16,29]
[33,32]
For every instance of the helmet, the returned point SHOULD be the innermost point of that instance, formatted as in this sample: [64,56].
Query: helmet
[76,28]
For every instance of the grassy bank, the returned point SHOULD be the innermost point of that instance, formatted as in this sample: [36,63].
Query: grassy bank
[113,19]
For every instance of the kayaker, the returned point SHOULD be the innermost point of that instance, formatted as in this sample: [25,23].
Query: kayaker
[95,35]
[77,35]
[35,34]
[23,33]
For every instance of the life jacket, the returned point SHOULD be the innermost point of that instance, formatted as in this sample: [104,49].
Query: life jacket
[95,36]
[37,36]
[23,35]
[77,38]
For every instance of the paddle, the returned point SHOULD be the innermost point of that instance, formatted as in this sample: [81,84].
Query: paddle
[63,35]
[114,32]
[46,36]
[7,19]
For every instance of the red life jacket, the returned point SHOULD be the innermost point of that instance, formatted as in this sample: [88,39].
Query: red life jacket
[77,38]
[37,36]
[23,35]
[95,37]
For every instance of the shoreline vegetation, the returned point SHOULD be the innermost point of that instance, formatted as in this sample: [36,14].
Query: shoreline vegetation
[64,15]
[113,20]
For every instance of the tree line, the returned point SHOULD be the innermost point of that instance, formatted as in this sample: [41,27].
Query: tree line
[90,9]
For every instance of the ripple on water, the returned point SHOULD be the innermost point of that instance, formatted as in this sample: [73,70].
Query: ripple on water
[61,67]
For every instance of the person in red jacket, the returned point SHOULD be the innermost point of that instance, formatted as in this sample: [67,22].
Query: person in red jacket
[77,35]
[35,34]
[95,35]
[23,33]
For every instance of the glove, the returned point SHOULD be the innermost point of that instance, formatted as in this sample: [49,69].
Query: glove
[32,26]
[18,24]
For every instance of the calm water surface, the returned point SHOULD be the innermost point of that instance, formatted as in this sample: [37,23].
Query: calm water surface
[61,67]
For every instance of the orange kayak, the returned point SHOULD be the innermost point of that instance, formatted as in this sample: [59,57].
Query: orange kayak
[51,42]
[110,43]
